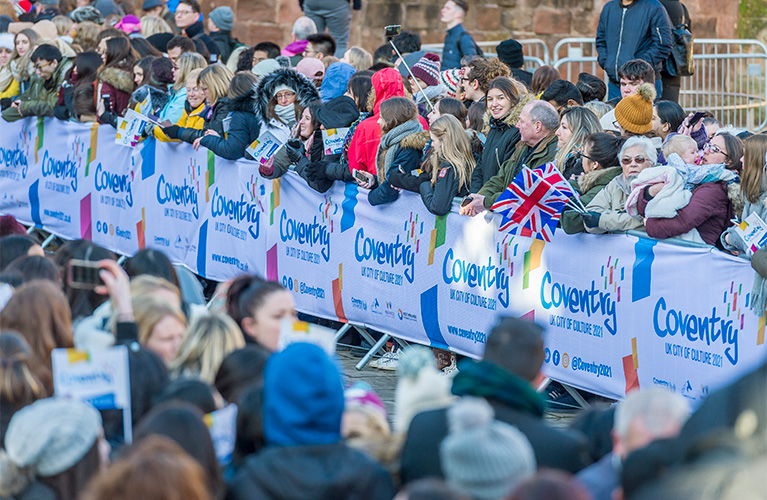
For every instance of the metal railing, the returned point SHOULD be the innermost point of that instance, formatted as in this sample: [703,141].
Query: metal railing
[536,51]
[729,78]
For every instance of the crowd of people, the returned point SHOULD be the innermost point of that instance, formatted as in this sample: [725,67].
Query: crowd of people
[456,128]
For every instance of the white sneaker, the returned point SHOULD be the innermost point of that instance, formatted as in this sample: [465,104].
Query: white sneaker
[388,361]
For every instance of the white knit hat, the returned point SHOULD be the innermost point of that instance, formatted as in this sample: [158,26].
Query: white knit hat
[420,386]
[51,435]
[481,457]
[6,41]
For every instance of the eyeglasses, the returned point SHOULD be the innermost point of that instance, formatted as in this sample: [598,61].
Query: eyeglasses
[715,149]
[284,96]
[39,67]
[637,159]
[587,157]
[183,12]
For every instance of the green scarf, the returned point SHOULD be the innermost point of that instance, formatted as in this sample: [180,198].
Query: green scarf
[486,380]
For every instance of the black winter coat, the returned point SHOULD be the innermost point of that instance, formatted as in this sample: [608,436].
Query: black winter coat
[499,145]
[244,128]
[318,472]
[554,447]
[214,120]
[439,197]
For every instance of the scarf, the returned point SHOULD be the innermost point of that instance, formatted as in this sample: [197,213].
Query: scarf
[286,114]
[348,140]
[390,146]
[6,77]
[486,380]
[695,175]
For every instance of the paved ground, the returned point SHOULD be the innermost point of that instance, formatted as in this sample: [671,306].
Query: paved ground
[384,383]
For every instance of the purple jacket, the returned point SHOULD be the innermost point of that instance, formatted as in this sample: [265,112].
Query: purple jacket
[709,211]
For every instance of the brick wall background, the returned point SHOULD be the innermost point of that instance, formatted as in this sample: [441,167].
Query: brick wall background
[550,20]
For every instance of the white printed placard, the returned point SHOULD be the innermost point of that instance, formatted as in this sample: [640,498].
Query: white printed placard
[99,377]
[333,140]
[264,147]
[753,230]
[222,425]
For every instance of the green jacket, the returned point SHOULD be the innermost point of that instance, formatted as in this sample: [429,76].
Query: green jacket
[588,186]
[41,96]
[541,153]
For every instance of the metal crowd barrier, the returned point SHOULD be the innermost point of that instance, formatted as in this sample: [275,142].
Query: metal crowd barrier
[536,51]
[729,79]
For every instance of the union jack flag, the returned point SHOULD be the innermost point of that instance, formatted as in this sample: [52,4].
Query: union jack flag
[530,206]
[553,176]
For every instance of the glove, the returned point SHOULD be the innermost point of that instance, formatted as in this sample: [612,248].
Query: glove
[295,150]
[315,172]
[172,131]
[591,219]
[398,179]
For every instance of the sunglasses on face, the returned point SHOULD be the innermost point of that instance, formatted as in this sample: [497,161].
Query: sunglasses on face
[583,155]
[637,159]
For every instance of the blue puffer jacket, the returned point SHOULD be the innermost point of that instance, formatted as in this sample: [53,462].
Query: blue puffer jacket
[640,31]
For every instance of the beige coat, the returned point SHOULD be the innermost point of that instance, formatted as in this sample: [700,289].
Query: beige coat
[611,203]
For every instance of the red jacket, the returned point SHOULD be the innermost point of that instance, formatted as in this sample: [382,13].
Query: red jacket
[709,211]
[364,146]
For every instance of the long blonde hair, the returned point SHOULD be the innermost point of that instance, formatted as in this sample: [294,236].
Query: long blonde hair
[151,25]
[455,148]
[360,58]
[752,183]
[208,340]
[582,122]
[187,62]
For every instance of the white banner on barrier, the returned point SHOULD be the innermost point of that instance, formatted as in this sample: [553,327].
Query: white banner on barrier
[620,311]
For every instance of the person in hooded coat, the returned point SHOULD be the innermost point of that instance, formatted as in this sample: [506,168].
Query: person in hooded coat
[280,98]
[305,456]
[242,125]
[364,145]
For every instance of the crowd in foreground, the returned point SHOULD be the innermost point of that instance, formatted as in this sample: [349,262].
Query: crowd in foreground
[299,431]
[462,126]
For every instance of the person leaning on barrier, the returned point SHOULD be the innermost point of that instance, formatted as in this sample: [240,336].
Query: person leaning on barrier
[607,211]
[43,92]
[537,146]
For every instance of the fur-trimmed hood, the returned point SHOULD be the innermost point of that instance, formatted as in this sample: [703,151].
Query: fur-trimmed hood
[591,179]
[118,78]
[244,102]
[513,117]
[304,88]
[415,141]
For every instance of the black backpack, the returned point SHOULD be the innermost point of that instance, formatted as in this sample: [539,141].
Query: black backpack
[681,62]
[476,47]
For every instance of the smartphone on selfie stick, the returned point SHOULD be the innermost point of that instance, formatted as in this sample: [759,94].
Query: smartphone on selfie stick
[389,33]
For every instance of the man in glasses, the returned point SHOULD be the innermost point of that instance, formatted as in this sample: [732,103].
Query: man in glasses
[189,20]
[43,91]
[477,76]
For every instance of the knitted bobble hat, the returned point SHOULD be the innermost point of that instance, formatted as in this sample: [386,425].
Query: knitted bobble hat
[634,112]
[451,79]
[427,69]
[481,457]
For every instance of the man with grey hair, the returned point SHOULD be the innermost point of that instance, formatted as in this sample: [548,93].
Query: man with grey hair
[641,418]
[302,28]
[537,146]
[607,211]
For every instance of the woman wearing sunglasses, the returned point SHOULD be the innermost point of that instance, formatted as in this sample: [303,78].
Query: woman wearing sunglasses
[607,211]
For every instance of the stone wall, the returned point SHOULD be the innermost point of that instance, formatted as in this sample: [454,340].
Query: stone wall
[549,20]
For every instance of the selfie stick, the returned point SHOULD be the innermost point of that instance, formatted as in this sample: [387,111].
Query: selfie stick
[428,102]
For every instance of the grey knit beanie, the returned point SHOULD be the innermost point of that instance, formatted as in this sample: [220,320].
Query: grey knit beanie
[51,435]
[482,457]
[223,17]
